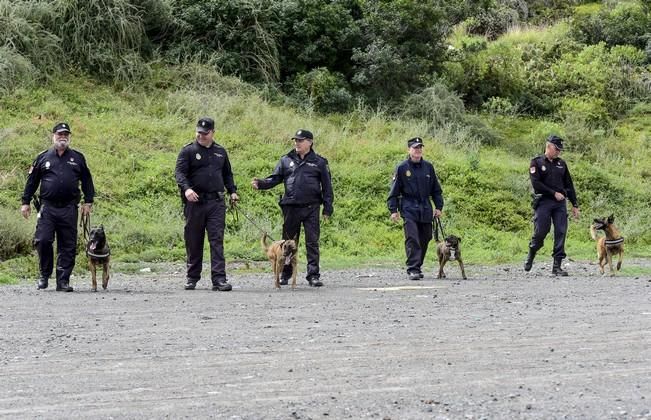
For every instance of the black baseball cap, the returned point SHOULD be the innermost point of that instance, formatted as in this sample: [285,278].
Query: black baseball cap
[205,125]
[556,141]
[61,127]
[302,135]
[415,142]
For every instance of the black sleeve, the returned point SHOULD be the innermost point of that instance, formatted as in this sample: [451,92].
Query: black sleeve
[538,186]
[227,175]
[274,179]
[87,185]
[569,187]
[393,202]
[182,170]
[33,181]
[436,192]
[326,189]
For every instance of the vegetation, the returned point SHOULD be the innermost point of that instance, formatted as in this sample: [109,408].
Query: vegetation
[479,80]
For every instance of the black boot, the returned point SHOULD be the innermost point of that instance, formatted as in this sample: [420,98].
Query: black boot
[42,283]
[529,262]
[64,287]
[556,269]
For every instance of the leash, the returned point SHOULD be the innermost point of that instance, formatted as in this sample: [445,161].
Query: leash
[235,210]
[84,224]
[438,227]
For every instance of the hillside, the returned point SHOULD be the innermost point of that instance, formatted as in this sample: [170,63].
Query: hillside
[496,100]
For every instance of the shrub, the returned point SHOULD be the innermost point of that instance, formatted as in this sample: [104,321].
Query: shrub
[15,234]
[14,69]
[323,91]
[627,23]
[436,105]
[104,37]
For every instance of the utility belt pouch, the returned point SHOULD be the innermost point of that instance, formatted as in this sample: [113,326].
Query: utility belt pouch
[535,200]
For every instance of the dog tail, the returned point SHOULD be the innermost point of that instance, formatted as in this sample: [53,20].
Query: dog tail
[263,241]
[593,232]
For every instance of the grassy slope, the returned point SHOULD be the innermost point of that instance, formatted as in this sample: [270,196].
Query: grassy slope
[131,141]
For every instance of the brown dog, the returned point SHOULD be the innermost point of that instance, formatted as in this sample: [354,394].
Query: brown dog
[280,254]
[449,250]
[99,253]
[609,245]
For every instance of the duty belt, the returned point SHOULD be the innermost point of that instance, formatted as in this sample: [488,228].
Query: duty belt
[211,196]
[58,204]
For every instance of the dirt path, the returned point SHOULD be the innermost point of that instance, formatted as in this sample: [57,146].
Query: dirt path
[370,344]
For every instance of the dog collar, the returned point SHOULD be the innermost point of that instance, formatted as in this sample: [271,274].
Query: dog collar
[614,242]
[98,255]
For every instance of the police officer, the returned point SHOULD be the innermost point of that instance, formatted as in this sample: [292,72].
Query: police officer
[203,171]
[552,184]
[414,184]
[59,171]
[306,176]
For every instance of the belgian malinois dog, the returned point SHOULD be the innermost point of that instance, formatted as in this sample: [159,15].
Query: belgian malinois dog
[449,250]
[280,254]
[99,253]
[609,245]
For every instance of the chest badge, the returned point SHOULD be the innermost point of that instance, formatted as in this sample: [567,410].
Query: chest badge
[291,164]
[408,173]
[198,156]
[72,159]
[47,165]
[543,168]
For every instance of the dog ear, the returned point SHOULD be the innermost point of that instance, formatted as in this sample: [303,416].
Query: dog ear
[597,221]
[611,218]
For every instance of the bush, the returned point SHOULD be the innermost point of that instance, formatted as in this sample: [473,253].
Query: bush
[15,234]
[323,91]
[436,104]
[627,23]
[104,37]
[14,69]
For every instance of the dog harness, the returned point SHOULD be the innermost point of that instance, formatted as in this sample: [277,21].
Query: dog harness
[98,255]
[614,242]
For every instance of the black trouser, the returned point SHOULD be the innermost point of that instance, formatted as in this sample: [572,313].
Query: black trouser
[417,237]
[62,222]
[548,211]
[294,216]
[201,217]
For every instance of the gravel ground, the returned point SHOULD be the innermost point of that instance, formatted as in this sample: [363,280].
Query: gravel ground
[370,344]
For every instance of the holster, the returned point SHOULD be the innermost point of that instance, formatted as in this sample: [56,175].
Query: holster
[535,200]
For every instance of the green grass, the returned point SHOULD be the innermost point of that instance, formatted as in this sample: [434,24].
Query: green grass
[131,139]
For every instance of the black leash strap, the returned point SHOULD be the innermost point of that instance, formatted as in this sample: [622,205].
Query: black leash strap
[438,227]
[84,224]
[234,208]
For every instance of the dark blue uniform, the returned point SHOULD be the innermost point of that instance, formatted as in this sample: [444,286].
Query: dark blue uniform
[307,186]
[414,184]
[547,178]
[207,170]
[59,178]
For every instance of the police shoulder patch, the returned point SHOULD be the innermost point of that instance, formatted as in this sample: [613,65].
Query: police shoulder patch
[532,170]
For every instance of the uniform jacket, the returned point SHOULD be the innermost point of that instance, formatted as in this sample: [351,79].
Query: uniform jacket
[59,177]
[549,177]
[307,181]
[412,187]
[204,169]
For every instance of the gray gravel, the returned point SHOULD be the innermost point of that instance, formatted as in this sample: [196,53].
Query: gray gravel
[370,344]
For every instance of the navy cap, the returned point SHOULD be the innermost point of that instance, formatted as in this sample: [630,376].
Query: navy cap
[61,127]
[302,135]
[556,141]
[415,142]
[205,125]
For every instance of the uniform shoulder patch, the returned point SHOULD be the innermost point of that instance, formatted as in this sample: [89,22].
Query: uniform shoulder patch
[532,170]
